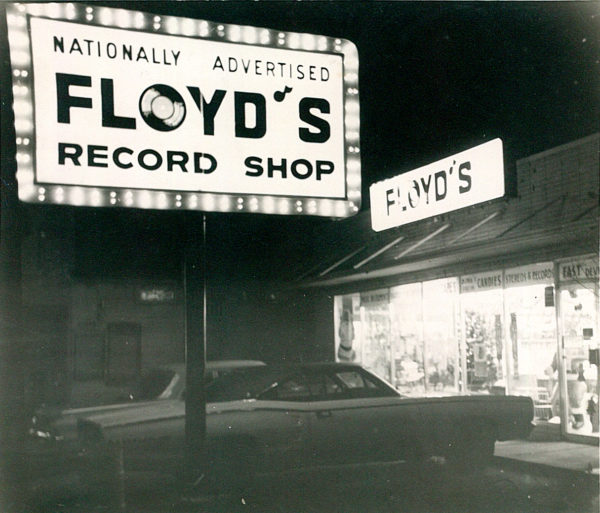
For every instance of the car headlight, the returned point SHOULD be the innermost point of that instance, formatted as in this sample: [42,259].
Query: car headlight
[41,429]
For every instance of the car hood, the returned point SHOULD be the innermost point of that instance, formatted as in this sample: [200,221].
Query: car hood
[138,414]
[62,424]
[164,418]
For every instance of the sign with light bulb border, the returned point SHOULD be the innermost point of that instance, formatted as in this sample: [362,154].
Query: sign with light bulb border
[130,109]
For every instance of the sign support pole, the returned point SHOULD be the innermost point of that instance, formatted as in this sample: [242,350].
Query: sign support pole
[195,350]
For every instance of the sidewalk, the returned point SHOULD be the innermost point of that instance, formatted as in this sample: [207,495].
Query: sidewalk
[550,455]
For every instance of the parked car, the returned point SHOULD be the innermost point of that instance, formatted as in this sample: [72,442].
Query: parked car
[165,383]
[55,467]
[273,420]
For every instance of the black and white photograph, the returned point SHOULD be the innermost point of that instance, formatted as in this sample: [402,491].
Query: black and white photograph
[284,256]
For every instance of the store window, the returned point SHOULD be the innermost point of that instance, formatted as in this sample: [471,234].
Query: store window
[531,338]
[406,335]
[492,332]
[440,334]
[483,358]
[408,364]
[362,331]
[376,333]
[579,322]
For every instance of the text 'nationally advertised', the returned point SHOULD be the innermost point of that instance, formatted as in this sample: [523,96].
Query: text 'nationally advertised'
[114,107]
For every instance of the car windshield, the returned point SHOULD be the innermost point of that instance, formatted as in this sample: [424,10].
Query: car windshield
[241,384]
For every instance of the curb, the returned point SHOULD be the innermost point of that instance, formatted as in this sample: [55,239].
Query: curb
[548,471]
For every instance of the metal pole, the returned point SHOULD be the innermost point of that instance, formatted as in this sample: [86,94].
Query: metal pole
[121,500]
[424,340]
[195,290]
[560,353]
[204,302]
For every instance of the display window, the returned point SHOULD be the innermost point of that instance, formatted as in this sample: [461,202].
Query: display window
[495,332]
[440,334]
[407,339]
[406,335]
[362,331]
[531,341]
[376,332]
[483,356]
[579,316]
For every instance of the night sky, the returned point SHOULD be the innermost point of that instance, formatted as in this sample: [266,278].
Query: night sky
[436,78]
[439,77]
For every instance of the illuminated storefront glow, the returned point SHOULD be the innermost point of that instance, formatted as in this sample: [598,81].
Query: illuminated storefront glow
[493,332]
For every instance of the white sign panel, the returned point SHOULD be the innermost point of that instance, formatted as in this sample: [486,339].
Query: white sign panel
[139,110]
[542,273]
[481,281]
[467,178]
[578,270]
[375,297]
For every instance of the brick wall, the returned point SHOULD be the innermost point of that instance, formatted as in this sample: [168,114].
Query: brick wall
[570,170]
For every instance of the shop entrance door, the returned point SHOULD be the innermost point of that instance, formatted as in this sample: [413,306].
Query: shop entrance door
[579,316]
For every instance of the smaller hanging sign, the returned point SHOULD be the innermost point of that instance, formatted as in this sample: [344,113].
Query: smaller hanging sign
[481,281]
[467,178]
[581,269]
[529,275]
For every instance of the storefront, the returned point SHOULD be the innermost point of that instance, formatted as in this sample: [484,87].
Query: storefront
[578,366]
[528,330]
[498,298]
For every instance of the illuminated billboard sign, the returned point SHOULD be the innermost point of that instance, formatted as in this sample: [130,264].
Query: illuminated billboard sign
[123,108]
[467,178]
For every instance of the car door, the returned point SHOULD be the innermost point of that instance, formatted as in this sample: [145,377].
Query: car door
[355,418]
[279,424]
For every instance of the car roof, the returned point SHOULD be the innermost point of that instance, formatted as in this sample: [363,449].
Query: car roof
[317,365]
[291,367]
[245,364]
[216,365]
[232,364]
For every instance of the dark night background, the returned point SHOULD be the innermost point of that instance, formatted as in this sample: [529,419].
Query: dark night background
[436,78]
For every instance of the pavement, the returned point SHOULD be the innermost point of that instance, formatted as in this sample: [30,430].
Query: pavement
[545,451]
[554,475]
[541,475]
[550,455]
[551,476]
[527,476]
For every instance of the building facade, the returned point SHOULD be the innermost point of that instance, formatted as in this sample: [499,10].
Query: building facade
[99,310]
[499,298]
